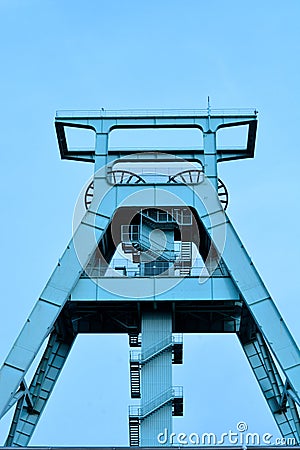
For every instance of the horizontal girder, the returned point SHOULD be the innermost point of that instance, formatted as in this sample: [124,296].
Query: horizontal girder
[117,317]
[157,288]
[103,122]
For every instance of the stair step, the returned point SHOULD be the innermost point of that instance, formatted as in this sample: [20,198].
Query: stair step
[177,354]
[135,380]
[134,432]
[135,340]
[177,407]
[127,248]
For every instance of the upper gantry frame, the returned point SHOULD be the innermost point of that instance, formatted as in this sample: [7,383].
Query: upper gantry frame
[264,336]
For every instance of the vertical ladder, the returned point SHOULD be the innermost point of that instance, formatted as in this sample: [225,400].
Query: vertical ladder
[185,259]
[172,398]
[135,339]
[135,379]
[134,431]
[137,359]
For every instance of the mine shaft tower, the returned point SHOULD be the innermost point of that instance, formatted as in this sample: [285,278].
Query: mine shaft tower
[154,256]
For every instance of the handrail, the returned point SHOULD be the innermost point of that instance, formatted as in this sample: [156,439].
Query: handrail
[132,270]
[168,218]
[156,249]
[134,234]
[136,113]
[158,401]
[158,347]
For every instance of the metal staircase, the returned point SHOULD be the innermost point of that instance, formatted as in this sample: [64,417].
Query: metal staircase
[134,431]
[135,339]
[137,358]
[135,240]
[135,379]
[184,263]
[159,347]
[173,395]
[176,392]
[173,343]
[83,296]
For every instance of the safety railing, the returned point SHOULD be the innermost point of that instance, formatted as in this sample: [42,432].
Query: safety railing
[159,401]
[133,234]
[156,250]
[181,216]
[105,113]
[130,234]
[125,268]
[158,216]
[158,347]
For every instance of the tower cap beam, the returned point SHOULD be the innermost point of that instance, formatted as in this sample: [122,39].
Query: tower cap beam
[105,121]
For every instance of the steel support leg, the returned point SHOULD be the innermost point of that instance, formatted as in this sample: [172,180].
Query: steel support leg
[262,307]
[269,380]
[27,414]
[48,307]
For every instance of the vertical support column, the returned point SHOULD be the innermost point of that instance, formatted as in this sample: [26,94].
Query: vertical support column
[210,157]
[156,377]
[101,150]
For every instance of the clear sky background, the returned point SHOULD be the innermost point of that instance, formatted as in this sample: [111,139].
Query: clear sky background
[70,54]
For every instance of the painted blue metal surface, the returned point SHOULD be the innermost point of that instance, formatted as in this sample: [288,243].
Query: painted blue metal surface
[156,376]
[156,275]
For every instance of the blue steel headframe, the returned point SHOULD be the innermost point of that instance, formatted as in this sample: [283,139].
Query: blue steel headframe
[104,121]
[237,294]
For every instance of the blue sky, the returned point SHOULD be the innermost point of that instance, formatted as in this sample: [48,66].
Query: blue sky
[158,54]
